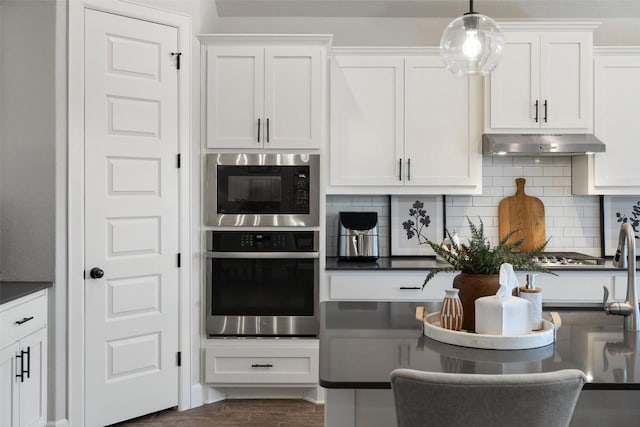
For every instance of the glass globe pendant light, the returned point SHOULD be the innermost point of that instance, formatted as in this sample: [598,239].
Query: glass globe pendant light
[472,44]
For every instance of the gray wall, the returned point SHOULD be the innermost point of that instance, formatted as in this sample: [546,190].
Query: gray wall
[27,168]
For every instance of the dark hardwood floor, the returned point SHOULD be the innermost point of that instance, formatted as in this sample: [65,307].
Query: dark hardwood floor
[241,412]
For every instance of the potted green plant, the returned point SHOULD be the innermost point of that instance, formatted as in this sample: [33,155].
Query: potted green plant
[477,261]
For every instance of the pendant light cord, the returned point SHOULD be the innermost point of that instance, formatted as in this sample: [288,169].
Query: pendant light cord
[471,11]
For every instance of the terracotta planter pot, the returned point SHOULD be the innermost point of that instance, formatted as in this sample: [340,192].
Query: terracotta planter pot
[472,287]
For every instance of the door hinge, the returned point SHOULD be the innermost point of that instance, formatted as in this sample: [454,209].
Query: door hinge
[179,160]
[177,55]
[179,260]
[179,358]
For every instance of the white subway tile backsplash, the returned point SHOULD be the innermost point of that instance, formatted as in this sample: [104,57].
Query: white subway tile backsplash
[533,171]
[542,181]
[573,222]
[561,181]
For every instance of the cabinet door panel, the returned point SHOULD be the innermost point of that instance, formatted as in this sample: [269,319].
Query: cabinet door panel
[235,96]
[33,391]
[367,120]
[8,386]
[515,83]
[439,112]
[564,76]
[292,97]
[616,106]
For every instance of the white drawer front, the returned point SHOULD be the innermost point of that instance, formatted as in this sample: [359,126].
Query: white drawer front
[23,319]
[387,287]
[261,365]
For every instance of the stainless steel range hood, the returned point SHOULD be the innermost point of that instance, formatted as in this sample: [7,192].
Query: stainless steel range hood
[511,144]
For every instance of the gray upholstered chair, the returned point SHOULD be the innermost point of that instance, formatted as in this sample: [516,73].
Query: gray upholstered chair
[451,400]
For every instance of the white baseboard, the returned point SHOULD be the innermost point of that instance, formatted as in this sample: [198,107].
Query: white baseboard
[58,423]
[311,394]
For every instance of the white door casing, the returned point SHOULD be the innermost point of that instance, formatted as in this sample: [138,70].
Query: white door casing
[131,217]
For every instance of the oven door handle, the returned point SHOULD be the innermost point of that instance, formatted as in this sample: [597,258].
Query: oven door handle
[264,255]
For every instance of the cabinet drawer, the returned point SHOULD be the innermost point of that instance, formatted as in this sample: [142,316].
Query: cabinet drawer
[387,287]
[255,365]
[23,318]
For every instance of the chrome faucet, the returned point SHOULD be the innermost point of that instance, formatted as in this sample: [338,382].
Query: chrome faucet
[628,308]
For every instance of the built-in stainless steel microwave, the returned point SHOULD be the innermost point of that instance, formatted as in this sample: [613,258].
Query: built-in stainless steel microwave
[258,190]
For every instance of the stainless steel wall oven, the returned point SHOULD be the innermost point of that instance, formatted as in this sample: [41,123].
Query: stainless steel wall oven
[258,190]
[262,283]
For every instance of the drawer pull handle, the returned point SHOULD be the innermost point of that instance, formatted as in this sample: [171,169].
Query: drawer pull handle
[24,320]
[262,365]
[409,287]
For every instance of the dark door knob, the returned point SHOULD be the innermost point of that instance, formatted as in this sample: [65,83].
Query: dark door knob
[96,273]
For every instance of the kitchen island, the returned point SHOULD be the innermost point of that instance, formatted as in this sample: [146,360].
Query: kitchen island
[362,342]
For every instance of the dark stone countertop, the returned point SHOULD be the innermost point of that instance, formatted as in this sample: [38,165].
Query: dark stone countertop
[428,263]
[362,342]
[10,291]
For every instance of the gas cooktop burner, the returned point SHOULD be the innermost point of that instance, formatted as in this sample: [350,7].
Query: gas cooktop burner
[567,259]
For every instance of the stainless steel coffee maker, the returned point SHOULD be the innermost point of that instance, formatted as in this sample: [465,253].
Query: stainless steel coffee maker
[358,236]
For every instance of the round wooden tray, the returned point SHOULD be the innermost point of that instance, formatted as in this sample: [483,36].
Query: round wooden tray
[535,339]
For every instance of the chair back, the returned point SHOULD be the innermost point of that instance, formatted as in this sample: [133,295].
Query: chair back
[450,400]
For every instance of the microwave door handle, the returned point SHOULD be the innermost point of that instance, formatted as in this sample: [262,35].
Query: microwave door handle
[263,255]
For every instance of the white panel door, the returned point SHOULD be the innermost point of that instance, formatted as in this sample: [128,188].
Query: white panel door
[367,121]
[440,149]
[8,386]
[131,218]
[564,69]
[235,97]
[515,84]
[293,86]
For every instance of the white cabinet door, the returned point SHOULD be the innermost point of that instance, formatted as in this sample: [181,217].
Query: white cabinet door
[564,88]
[515,84]
[33,391]
[293,88]
[264,97]
[8,386]
[616,106]
[367,121]
[542,82]
[235,96]
[440,111]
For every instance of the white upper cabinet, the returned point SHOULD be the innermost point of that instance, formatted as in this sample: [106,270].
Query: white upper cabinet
[616,106]
[264,91]
[543,80]
[367,117]
[402,123]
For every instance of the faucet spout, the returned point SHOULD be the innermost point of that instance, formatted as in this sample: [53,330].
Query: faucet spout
[627,246]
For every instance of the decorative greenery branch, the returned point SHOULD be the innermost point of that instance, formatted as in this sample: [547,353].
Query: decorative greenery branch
[476,257]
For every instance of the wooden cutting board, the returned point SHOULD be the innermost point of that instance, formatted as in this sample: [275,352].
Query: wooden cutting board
[524,213]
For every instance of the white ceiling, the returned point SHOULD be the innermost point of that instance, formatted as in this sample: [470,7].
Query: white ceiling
[500,9]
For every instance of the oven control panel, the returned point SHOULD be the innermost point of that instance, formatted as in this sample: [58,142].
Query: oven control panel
[265,241]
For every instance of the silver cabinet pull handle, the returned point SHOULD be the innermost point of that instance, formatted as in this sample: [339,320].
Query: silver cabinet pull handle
[268,130]
[408,169]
